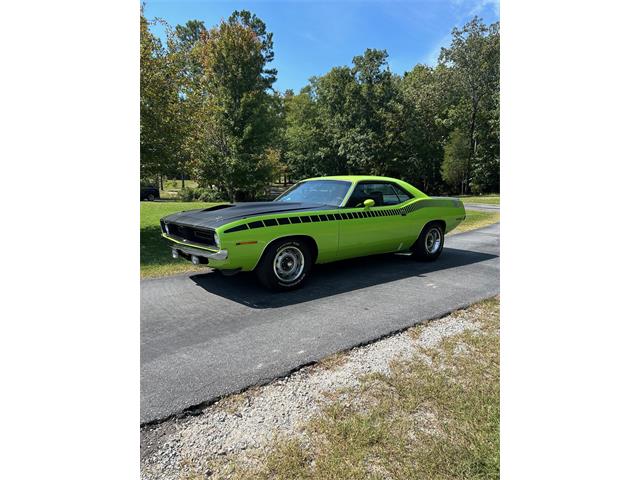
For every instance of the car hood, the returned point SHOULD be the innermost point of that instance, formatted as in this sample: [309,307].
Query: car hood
[219,215]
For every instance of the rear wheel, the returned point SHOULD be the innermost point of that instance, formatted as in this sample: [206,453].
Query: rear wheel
[430,242]
[284,264]
[151,197]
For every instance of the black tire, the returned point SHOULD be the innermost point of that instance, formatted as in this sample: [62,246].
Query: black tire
[284,256]
[151,197]
[430,243]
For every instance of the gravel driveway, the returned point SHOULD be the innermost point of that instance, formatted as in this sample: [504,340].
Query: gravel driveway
[246,423]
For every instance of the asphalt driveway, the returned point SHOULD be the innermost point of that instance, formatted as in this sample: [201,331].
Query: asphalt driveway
[204,335]
[483,207]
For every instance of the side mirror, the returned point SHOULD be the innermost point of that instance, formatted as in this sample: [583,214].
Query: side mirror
[368,203]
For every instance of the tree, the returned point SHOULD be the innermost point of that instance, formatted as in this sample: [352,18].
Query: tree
[180,42]
[304,136]
[474,62]
[188,34]
[347,120]
[208,107]
[160,135]
[235,119]
[456,164]
[424,100]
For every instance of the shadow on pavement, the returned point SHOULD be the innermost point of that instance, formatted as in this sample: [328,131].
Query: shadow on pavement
[334,278]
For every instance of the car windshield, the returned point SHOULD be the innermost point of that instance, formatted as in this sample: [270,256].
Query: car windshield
[327,192]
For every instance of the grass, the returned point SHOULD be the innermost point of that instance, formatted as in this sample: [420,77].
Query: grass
[476,219]
[435,416]
[490,199]
[155,255]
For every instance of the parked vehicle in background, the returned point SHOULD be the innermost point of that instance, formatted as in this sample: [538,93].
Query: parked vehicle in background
[319,220]
[149,193]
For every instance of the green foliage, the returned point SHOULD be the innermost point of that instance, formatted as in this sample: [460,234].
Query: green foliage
[198,194]
[364,119]
[473,60]
[234,119]
[209,112]
[157,106]
[456,165]
[424,96]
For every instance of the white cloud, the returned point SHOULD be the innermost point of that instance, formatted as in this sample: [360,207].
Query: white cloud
[479,6]
[431,58]
[469,9]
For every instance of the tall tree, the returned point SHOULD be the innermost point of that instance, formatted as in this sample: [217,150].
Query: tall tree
[235,118]
[161,124]
[304,136]
[474,62]
[186,71]
[424,101]
[357,108]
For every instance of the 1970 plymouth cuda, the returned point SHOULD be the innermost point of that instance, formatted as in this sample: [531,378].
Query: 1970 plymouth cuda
[318,220]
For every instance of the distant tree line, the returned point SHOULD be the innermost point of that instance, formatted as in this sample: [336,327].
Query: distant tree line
[208,110]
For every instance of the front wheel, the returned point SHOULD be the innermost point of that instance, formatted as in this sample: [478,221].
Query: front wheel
[430,242]
[284,265]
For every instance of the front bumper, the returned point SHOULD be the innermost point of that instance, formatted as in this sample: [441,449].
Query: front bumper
[199,251]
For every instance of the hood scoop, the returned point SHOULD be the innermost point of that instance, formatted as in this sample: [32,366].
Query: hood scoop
[217,207]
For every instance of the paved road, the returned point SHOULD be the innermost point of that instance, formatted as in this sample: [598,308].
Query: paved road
[485,207]
[204,335]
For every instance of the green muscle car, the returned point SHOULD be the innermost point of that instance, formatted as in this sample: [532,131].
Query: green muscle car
[318,220]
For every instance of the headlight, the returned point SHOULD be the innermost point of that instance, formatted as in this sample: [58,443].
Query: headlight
[216,238]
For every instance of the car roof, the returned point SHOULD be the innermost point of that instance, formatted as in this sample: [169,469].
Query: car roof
[361,178]
[352,178]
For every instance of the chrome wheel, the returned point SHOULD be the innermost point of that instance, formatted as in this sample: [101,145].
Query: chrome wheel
[288,264]
[433,240]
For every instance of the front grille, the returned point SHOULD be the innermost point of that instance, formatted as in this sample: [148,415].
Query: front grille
[191,234]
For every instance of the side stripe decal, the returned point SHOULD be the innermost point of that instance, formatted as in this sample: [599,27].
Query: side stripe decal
[330,217]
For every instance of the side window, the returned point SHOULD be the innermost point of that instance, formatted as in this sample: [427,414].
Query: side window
[402,195]
[381,193]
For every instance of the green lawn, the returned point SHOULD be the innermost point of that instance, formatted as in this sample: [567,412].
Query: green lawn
[476,219]
[490,199]
[155,255]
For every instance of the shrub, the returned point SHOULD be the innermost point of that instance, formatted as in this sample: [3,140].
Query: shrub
[198,195]
[187,195]
[208,196]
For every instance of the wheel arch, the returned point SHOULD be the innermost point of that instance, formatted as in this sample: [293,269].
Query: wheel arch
[307,239]
[440,222]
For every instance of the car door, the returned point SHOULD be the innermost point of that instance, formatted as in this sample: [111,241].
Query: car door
[378,229]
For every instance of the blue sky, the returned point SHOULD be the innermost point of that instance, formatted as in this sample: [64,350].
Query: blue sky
[311,37]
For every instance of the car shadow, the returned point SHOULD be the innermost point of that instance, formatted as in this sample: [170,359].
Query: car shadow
[333,278]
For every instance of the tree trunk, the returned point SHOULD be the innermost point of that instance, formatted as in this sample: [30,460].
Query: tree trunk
[472,137]
[182,177]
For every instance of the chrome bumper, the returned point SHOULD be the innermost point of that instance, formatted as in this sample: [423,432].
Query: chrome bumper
[219,255]
[189,250]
